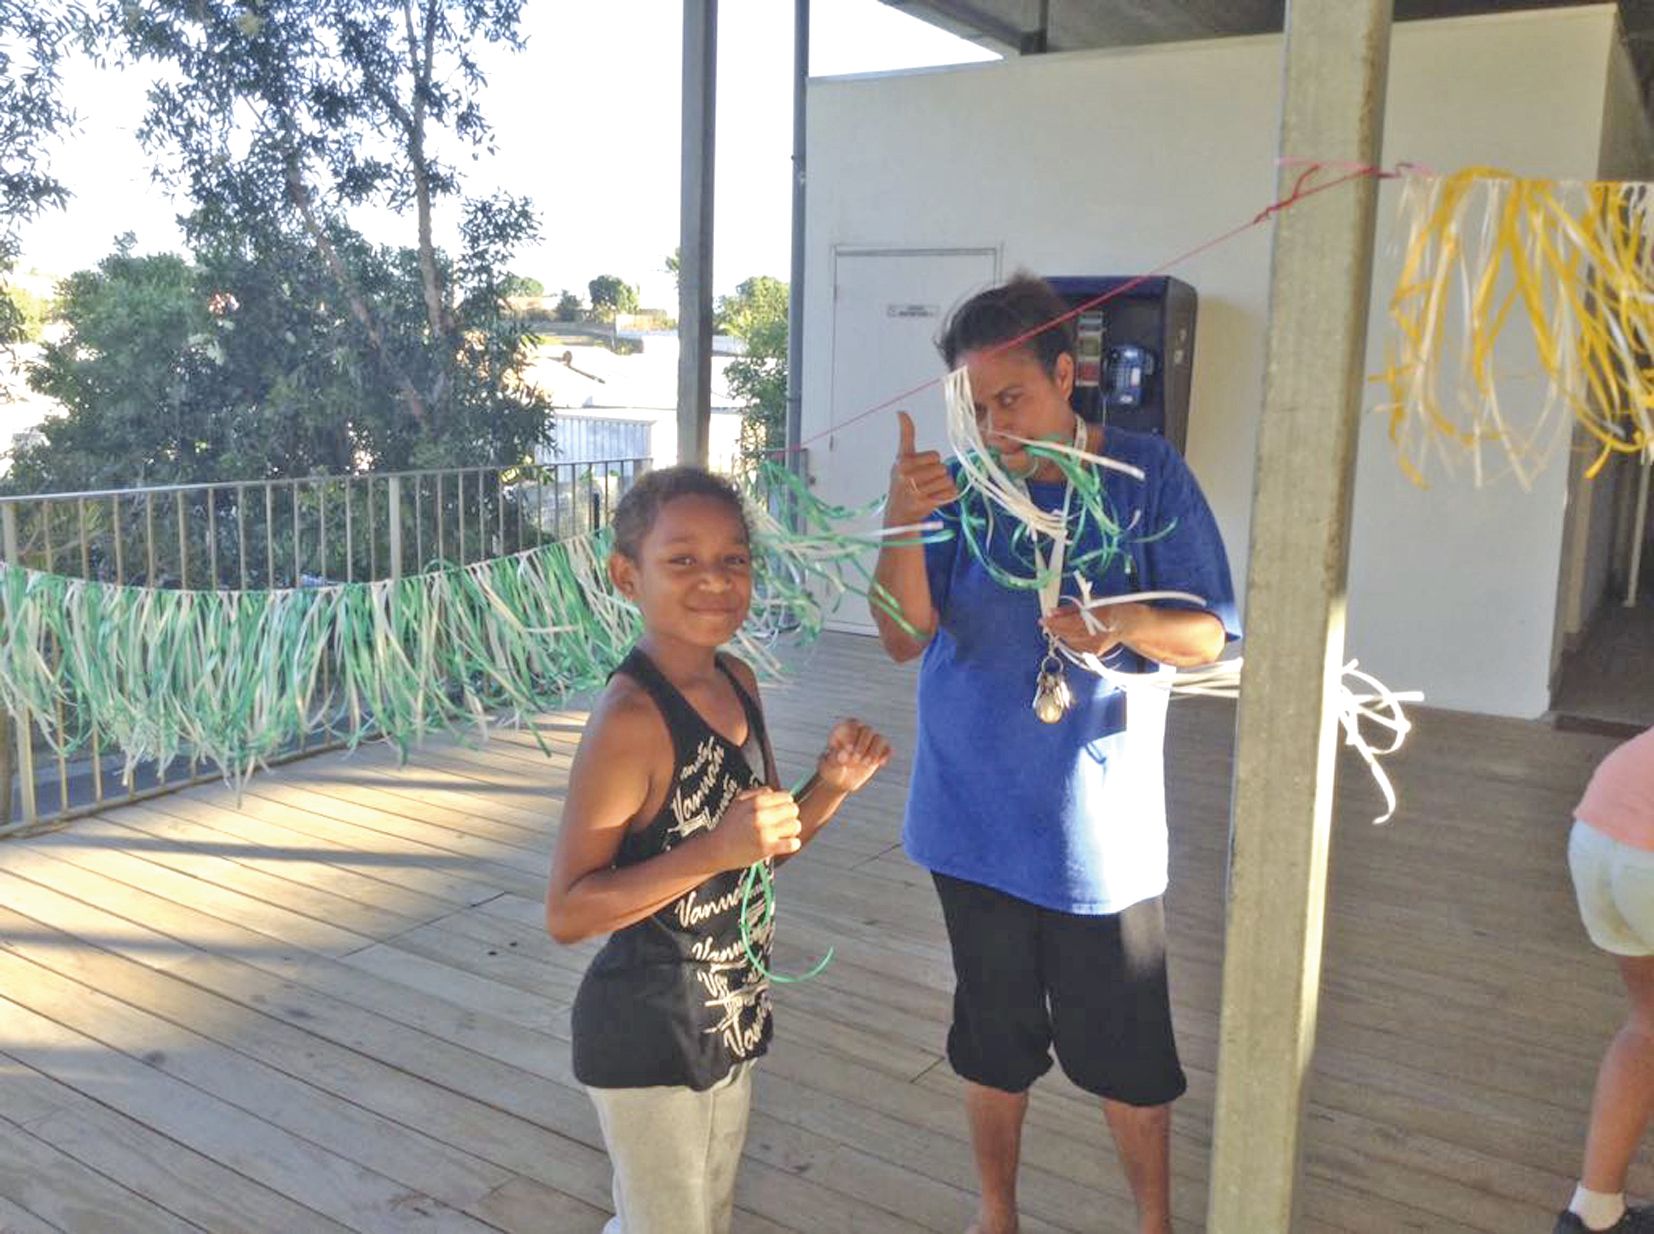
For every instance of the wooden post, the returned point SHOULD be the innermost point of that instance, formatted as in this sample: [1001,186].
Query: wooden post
[21,735]
[794,458]
[393,546]
[700,90]
[5,769]
[1639,531]
[1320,281]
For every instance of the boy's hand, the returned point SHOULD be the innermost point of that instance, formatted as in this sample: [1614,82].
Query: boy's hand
[759,824]
[854,753]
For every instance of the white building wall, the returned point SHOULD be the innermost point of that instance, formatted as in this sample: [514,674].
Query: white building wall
[1115,162]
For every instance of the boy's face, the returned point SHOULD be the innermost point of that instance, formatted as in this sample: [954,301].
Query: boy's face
[692,579]
[1016,397]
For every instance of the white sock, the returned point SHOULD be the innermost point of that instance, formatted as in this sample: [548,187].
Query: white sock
[1599,1210]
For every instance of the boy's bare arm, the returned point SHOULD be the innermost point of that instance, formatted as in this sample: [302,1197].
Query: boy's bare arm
[855,752]
[624,747]
[835,778]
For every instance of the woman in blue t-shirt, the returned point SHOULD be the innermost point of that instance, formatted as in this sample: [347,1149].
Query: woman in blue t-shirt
[1047,838]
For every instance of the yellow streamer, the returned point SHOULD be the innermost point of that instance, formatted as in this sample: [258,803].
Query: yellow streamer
[1574,262]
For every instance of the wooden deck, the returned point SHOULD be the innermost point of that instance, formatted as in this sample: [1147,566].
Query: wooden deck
[335,1008]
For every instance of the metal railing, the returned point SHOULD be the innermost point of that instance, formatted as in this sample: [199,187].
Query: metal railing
[253,535]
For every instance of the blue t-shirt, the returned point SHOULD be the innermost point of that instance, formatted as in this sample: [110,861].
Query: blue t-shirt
[1071,815]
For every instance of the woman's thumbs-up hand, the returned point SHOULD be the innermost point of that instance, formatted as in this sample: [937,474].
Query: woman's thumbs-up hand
[919,481]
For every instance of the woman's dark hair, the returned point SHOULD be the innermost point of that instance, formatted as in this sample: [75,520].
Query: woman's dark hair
[642,504]
[1010,311]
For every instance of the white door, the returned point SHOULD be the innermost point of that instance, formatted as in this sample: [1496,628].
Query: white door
[889,307]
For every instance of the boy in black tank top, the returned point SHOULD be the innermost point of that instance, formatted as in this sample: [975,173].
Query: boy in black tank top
[672,797]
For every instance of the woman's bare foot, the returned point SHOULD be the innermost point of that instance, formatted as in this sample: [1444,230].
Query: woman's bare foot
[998,1223]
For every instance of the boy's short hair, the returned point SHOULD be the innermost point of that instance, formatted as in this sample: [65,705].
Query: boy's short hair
[637,510]
[994,317]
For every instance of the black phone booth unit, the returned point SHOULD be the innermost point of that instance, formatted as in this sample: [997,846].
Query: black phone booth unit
[1134,351]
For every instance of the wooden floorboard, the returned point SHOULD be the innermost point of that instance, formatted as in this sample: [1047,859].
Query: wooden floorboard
[329,1003]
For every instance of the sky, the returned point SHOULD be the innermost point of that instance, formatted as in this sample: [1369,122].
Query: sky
[586,123]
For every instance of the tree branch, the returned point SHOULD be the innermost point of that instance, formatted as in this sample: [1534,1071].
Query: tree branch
[299,194]
[436,309]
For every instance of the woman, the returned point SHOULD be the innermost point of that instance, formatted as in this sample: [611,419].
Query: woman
[1046,835]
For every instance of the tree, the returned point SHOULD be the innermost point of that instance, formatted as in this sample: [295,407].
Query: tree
[757,314]
[280,118]
[141,346]
[568,306]
[34,38]
[674,267]
[611,295]
[244,367]
[518,286]
[28,312]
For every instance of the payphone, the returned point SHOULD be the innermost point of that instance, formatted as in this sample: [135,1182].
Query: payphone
[1134,351]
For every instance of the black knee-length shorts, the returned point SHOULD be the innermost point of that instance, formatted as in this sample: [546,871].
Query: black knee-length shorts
[1030,978]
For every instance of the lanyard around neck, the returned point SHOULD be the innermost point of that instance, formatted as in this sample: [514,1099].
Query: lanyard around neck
[1050,564]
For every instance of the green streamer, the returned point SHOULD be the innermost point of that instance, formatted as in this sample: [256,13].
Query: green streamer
[760,872]
[236,679]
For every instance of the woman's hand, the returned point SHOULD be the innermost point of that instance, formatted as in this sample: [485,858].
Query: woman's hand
[1180,637]
[919,482]
[1115,624]
[853,755]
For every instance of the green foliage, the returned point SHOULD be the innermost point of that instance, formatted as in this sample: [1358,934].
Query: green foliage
[290,344]
[29,312]
[569,307]
[244,366]
[757,314]
[141,347]
[518,286]
[611,295]
[34,39]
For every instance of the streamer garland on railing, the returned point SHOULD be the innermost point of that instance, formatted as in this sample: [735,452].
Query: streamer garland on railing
[235,678]
[1570,261]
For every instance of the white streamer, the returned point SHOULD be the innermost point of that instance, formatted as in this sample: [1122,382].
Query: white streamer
[1376,704]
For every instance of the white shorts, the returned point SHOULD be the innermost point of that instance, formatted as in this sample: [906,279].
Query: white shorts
[1614,884]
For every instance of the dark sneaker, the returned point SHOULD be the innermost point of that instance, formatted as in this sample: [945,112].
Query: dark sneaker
[1636,1221]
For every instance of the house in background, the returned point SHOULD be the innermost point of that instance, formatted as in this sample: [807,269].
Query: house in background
[621,403]
[929,185]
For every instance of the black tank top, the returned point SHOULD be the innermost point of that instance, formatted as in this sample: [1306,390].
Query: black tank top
[673,999]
